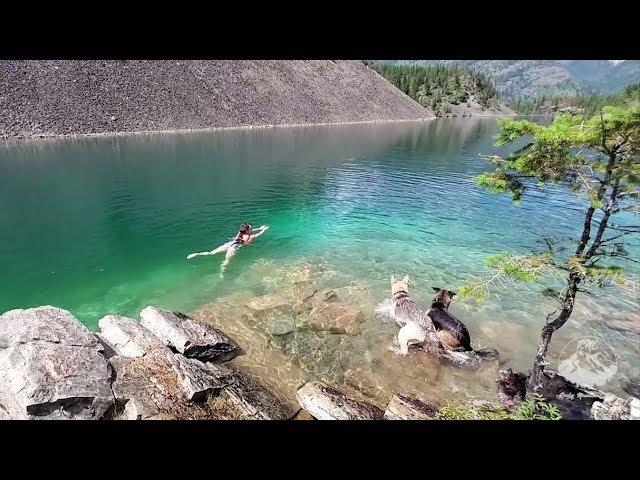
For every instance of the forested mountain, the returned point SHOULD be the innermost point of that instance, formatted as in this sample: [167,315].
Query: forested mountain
[531,78]
[582,103]
[447,90]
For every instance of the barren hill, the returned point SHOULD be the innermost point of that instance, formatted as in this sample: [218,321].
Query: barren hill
[54,97]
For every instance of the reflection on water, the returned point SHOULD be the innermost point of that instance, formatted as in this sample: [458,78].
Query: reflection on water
[103,225]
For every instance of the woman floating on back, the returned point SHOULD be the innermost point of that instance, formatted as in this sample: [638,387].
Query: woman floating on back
[244,236]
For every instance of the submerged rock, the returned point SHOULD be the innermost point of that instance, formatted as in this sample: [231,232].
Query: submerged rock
[305,291]
[334,318]
[282,326]
[190,337]
[269,302]
[306,271]
[328,296]
[404,407]
[327,403]
[365,381]
[51,367]
[127,337]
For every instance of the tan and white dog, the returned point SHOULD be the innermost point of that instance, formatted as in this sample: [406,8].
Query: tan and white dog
[416,325]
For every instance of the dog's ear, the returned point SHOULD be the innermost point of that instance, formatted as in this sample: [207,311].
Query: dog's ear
[437,289]
[393,279]
[406,279]
[451,294]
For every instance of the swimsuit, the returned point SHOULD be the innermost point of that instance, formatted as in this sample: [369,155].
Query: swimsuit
[235,243]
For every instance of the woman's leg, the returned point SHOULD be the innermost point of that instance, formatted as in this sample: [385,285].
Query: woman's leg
[231,251]
[220,249]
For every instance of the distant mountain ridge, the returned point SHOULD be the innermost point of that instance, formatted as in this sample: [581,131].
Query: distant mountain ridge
[529,78]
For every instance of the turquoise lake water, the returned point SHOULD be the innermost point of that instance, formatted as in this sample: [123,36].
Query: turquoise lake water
[103,225]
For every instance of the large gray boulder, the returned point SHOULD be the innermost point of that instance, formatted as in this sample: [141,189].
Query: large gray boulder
[253,399]
[127,337]
[161,385]
[51,367]
[144,386]
[324,402]
[190,337]
[197,379]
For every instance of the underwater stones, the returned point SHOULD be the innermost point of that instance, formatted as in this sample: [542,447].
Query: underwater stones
[306,271]
[190,337]
[51,367]
[300,308]
[365,381]
[127,337]
[333,318]
[305,291]
[281,326]
[328,295]
[327,403]
[404,407]
[269,302]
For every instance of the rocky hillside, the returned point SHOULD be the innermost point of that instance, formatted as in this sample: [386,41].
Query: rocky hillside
[529,78]
[52,98]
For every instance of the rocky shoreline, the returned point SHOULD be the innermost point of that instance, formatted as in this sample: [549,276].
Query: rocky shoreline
[115,133]
[169,365]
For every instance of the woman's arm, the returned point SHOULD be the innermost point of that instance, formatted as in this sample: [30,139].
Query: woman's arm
[262,229]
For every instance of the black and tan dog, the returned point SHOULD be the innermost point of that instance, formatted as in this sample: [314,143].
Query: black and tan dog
[451,332]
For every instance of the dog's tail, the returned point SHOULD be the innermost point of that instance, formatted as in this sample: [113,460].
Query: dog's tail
[487,353]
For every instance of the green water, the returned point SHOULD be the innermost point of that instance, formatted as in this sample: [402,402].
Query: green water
[103,225]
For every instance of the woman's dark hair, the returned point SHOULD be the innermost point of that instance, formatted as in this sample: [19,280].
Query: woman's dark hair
[245,227]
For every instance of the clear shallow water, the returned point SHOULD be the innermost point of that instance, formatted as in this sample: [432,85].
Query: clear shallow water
[103,225]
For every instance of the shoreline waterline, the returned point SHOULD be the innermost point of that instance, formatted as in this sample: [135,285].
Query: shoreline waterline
[179,131]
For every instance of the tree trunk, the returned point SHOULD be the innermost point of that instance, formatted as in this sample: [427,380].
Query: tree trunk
[536,378]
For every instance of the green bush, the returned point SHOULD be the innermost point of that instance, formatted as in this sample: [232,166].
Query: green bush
[535,408]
